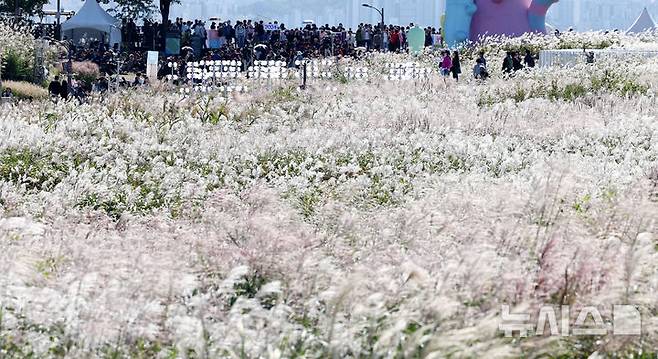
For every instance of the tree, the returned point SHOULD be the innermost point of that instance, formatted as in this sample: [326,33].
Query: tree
[132,9]
[165,8]
[143,9]
[29,7]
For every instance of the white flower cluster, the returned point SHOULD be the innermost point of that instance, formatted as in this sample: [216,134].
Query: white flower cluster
[371,218]
[17,41]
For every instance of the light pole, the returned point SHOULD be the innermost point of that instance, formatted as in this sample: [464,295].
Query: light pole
[303,64]
[118,54]
[69,66]
[381,12]
[0,69]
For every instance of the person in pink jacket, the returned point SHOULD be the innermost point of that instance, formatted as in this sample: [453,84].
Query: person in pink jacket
[446,63]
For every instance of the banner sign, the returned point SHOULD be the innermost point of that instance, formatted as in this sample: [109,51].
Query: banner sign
[173,46]
[271,27]
[152,64]
[152,58]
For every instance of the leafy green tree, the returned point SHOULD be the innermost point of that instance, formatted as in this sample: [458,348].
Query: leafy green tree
[131,9]
[165,9]
[143,9]
[29,7]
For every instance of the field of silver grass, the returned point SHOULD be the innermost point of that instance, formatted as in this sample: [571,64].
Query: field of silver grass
[355,219]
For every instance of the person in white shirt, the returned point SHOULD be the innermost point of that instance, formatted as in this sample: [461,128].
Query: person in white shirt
[351,38]
[200,30]
[385,42]
[367,37]
[240,34]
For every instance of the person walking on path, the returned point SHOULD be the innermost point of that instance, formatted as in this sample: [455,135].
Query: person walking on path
[482,58]
[446,65]
[64,90]
[529,60]
[456,67]
[508,64]
[55,88]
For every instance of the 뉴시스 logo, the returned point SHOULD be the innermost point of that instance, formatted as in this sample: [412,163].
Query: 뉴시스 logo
[626,320]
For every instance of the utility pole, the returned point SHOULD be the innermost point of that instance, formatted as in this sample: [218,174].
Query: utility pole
[1,64]
[118,58]
[58,30]
[69,68]
[305,74]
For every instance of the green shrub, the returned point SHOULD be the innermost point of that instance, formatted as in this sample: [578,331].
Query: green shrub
[630,87]
[16,68]
[607,82]
[519,94]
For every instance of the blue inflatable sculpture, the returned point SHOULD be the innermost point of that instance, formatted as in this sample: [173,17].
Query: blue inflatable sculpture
[457,25]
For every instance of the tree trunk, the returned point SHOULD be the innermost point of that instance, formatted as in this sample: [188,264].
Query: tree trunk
[165,6]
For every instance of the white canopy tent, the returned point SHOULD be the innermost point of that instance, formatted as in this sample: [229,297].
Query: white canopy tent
[92,22]
[643,23]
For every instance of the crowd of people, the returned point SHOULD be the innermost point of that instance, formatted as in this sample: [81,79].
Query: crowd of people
[513,61]
[61,88]
[245,41]
[310,39]
[450,65]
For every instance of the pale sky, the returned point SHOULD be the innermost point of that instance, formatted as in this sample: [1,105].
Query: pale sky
[579,14]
